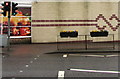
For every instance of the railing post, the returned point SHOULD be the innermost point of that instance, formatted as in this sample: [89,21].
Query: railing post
[57,42]
[113,42]
[86,42]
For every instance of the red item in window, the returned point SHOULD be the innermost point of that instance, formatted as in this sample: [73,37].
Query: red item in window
[22,31]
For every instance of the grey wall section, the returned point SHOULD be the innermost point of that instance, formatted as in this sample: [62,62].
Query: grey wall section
[87,12]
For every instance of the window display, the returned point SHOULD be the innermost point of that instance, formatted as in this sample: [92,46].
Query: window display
[20,24]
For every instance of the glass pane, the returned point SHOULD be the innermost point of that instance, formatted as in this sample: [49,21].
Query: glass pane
[20,31]
[26,11]
[20,24]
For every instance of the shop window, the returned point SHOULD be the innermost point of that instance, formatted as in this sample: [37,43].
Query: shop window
[20,24]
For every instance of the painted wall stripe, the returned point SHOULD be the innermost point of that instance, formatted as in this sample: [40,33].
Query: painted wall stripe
[40,25]
[64,20]
[100,16]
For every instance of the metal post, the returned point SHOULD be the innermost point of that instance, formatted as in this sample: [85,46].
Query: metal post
[57,42]
[113,42]
[8,40]
[86,42]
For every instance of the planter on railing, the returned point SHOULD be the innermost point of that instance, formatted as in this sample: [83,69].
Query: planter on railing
[69,34]
[99,34]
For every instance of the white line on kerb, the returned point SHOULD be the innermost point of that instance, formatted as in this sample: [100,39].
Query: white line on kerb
[87,55]
[112,55]
[65,55]
[94,55]
[61,74]
[99,71]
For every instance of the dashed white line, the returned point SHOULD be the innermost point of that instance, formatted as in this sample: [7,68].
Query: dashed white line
[98,71]
[35,58]
[20,71]
[26,65]
[61,74]
[65,55]
[31,61]
[38,56]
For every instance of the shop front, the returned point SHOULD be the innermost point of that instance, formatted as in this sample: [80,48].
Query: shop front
[51,18]
[20,25]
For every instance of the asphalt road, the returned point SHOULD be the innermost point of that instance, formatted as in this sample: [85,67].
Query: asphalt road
[34,60]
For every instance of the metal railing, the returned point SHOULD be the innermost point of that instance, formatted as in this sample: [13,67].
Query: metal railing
[85,42]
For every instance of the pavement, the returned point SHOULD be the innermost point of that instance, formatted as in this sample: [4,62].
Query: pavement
[88,47]
[25,61]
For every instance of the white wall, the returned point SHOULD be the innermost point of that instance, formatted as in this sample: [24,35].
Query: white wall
[71,11]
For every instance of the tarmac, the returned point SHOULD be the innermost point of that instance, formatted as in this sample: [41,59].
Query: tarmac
[41,61]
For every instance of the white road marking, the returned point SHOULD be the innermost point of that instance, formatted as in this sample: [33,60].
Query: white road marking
[93,55]
[112,55]
[98,71]
[31,61]
[38,56]
[26,65]
[20,71]
[65,55]
[35,58]
[86,55]
[61,74]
